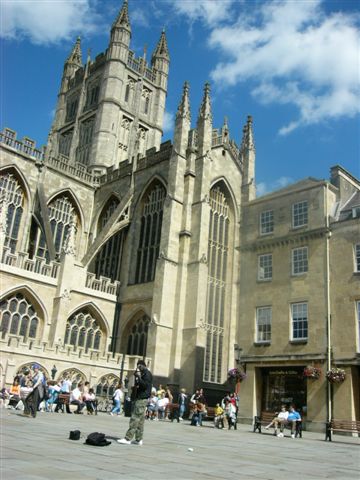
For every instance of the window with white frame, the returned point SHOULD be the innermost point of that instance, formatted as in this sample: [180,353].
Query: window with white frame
[299,321]
[300,214]
[300,262]
[265,267]
[263,324]
[357,257]
[267,222]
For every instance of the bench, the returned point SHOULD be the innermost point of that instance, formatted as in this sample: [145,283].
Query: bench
[267,417]
[346,426]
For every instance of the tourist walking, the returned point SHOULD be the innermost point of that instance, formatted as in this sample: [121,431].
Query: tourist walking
[142,391]
[118,398]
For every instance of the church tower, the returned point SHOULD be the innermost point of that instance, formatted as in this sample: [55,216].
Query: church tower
[111,109]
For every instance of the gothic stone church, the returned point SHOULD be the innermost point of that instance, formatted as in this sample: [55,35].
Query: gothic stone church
[117,246]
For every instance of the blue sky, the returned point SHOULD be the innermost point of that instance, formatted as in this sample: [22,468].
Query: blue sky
[293,65]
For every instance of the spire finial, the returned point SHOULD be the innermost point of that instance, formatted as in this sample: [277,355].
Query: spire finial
[184,105]
[123,17]
[76,55]
[205,108]
[161,49]
[248,135]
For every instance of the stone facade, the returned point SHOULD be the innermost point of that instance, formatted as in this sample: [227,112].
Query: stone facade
[116,246]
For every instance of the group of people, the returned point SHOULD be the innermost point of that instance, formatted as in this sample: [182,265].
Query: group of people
[158,403]
[283,418]
[32,392]
[226,412]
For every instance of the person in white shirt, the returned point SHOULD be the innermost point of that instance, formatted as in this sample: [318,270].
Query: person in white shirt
[76,398]
[161,406]
[118,398]
[32,401]
[280,418]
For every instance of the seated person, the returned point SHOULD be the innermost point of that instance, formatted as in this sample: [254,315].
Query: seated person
[219,416]
[54,390]
[4,397]
[90,401]
[76,398]
[293,418]
[14,394]
[279,418]
[201,410]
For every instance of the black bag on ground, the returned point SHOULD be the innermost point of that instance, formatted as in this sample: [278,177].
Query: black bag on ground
[97,439]
[74,435]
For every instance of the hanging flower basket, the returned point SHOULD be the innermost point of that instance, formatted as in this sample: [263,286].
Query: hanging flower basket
[236,374]
[336,375]
[312,372]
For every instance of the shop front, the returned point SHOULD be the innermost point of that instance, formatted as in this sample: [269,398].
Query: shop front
[283,385]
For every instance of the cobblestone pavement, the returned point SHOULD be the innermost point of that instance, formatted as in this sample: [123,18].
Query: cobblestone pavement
[39,449]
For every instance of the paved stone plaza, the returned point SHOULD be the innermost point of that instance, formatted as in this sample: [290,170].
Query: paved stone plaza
[39,449]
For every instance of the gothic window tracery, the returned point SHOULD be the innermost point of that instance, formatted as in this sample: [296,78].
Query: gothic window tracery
[61,214]
[85,140]
[137,340]
[19,317]
[65,143]
[74,375]
[124,137]
[141,140]
[129,91]
[83,330]
[150,234]
[108,261]
[13,201]
[218,257]
[145,100]
[106,386]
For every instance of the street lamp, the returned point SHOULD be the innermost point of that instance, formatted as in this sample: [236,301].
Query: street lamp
[238,350]
[53,372]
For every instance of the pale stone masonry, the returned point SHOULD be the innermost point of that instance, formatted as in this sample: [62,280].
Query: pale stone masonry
[116,246]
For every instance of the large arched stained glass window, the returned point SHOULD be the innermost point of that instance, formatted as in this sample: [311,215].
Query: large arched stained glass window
[13,200]
[218,248]
[61,214]
[150,234]
[19,317]
[83,330]
[137,340]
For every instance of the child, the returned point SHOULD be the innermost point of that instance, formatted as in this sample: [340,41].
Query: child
[219,416]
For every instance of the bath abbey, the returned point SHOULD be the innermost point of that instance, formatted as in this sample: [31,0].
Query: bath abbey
[116,247]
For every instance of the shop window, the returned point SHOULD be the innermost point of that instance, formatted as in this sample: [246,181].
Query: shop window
[299,320]
[299,260]
[285,385]
[300,214]
[265,267]
[263,324]
[267,222]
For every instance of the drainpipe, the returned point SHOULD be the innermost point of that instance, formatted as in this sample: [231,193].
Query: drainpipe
[328,308]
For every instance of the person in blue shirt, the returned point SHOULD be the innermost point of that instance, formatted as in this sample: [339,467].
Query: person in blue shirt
[293,417]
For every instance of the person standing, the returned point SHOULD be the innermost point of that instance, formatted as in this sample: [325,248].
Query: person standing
[118,398]
[143,385]
[182,403]
[32,401]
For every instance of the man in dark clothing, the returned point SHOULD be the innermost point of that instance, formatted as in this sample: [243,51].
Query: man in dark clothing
[142,391]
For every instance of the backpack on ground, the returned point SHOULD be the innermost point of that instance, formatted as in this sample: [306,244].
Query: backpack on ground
[97,439]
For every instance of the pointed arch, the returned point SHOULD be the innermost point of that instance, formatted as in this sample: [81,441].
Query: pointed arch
[152,180]
[101,210]
[74,374]
[227,188]
[94,310]
[17,201]
[150,212]
[21,305]
[135,334]
[73,198]
[106,385]
[28,365]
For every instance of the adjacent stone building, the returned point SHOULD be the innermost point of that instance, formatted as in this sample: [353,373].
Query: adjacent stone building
[116,246]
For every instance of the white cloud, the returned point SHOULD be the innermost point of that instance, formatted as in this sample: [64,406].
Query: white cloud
[294,54]
[47,21]
[168,122]
[209,11]
[263,188]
